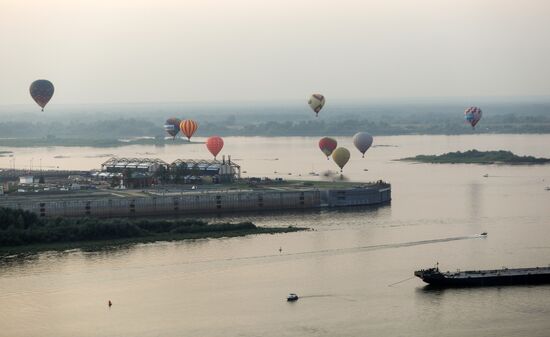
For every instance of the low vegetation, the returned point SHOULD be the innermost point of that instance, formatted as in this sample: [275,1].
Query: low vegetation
[18,227]
[479,157]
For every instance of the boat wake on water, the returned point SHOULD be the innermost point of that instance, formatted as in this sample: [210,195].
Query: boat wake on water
[334,251]
[321,295]
[387,245]
[346,250]
[344,297]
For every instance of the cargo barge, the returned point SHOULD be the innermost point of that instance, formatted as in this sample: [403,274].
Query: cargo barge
[480,278]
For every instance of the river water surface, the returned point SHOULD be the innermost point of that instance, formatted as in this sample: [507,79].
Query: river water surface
[352,271]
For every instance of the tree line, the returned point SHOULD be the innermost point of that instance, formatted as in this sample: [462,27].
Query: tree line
[19,227]
[383,123]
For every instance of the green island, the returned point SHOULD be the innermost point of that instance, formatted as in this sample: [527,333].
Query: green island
[22,231]
[479,157]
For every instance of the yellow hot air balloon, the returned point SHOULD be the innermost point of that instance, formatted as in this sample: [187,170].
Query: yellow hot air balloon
[340,157]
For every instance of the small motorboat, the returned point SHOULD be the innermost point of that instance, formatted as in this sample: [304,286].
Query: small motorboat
[292,297]
[483,234]
[485,175]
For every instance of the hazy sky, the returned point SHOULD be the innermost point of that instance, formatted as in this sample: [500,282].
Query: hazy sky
[103,51]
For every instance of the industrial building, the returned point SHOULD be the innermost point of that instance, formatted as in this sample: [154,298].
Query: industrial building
[131,172]
[144,172]
[215,171]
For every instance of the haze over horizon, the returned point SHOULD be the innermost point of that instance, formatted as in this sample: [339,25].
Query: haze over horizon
[100,52]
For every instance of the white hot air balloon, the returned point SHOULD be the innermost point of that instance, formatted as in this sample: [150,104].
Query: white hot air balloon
[362,142]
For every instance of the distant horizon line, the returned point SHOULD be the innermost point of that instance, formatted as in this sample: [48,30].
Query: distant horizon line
[346,101]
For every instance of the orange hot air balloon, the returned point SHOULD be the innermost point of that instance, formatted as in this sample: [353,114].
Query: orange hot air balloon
[214,144]
[188,127]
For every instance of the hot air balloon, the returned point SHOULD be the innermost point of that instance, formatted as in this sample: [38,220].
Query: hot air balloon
[472,115]
[188,127]
[327,145]
[341,157]
[316,102]
[362,142]
[172,126]
[41,91]
[214,144]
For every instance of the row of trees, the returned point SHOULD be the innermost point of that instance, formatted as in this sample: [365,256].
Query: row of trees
[382,123]
[479,157]
[18,227]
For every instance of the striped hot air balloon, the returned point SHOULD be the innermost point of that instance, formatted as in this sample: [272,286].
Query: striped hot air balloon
[214,144]
[472,115]
[188,127]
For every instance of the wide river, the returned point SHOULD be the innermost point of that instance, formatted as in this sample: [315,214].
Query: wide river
[353,271]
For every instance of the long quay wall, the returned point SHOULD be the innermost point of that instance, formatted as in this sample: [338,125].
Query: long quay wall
[201,202]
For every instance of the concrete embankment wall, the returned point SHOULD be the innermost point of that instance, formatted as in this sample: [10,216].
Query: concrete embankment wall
[355,196]
[207,202]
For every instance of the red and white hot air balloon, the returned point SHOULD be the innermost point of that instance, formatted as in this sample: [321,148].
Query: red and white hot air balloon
[214,144]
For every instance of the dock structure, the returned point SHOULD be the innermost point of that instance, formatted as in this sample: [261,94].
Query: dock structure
[133,203]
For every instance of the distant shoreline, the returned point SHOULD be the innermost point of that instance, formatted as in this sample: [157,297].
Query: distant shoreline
[479,157]
[106,143]
[91,142]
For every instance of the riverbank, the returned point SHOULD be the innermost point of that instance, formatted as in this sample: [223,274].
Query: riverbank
[105,244]
[21,231]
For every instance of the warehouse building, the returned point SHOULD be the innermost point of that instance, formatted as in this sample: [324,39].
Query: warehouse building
[143,172]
